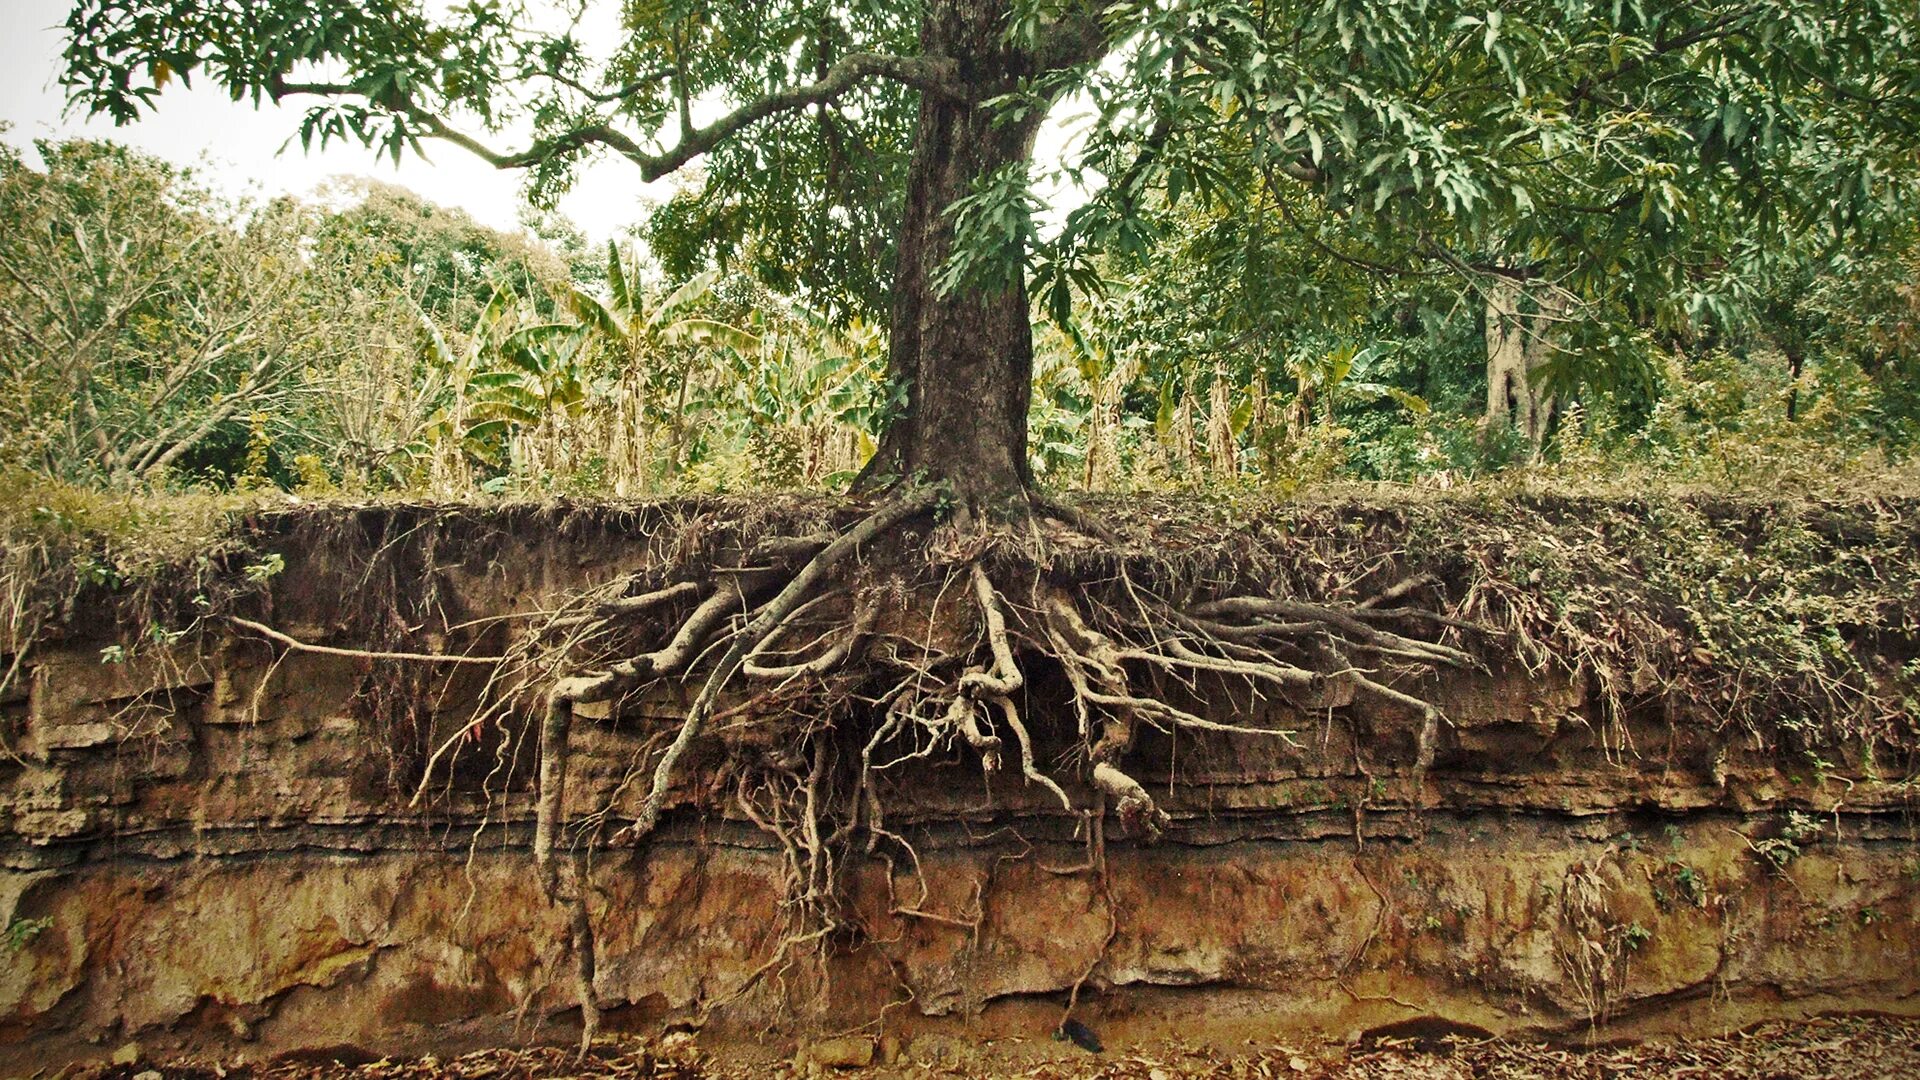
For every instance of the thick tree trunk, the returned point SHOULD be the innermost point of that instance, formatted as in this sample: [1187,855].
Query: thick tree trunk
[965,359]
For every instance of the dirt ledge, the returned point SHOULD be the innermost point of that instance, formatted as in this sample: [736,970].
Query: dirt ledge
[209,846]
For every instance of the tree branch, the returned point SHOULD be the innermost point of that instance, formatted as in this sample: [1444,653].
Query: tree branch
[929,75]
[1721,27]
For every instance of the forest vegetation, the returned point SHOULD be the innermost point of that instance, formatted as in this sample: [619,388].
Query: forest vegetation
[164,338]
[1330,240]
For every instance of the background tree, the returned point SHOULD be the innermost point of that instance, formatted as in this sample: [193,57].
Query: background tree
[148,326]
[1620,162]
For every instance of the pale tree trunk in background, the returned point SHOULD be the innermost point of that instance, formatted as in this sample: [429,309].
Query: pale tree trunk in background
[1517,345]
[1221,449]
[1183,432]
[1260,424]
[1103,434]
[1550,309]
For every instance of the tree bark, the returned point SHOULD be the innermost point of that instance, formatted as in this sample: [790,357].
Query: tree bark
[1517,345]
[1796,366]
[964,359]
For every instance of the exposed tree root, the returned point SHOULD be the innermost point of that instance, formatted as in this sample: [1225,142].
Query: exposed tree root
[296,645]
[816,674]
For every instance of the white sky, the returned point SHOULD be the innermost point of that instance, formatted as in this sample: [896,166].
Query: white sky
[240,148]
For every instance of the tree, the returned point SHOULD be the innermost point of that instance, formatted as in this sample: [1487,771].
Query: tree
[1627,163]
[653,341]
[900,132]
[143,318]
[396,243]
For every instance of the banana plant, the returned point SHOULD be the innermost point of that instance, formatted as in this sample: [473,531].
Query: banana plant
[659,344]
[538,375]
[446,434]
[806,384]
[510,376]
[1330,377]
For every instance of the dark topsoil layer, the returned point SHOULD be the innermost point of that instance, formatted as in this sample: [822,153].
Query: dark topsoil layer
[1762,611]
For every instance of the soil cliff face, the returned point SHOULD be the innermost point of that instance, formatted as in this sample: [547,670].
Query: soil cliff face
[215,843]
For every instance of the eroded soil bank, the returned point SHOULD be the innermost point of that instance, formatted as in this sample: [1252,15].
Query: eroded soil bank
[1652,806]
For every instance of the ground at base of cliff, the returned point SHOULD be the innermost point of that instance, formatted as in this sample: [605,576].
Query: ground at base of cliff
[1845,1047]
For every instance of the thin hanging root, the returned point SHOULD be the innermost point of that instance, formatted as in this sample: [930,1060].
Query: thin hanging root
[671,659]
[836,655]
[1006,679]
[1084,650]
[359,654]
[781,955]
[961,716]
[628,606]
[1387,693]
[580,941]
[1178,655]
[1155,709]
[1398,592]
[1354,629]
[1075,518]
[978,685]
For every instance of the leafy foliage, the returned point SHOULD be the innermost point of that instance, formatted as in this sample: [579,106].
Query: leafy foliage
[149,325]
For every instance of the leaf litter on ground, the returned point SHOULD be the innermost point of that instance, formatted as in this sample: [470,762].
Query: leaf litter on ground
[1833,1047]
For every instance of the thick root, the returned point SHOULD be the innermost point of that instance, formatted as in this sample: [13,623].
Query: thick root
[1136,808]
[562,880]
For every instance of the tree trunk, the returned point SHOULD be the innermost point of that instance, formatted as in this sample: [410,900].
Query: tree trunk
[1517,345]
[964,359]
[1796,366]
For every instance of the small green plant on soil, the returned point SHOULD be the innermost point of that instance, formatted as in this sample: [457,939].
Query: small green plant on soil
[266,569]
[1796,832]
[1692,885]
[20,932]
[1635,935]
[1680,882]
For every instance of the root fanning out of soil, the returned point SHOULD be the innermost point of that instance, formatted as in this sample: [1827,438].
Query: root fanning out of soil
[804,661]
[908,635]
